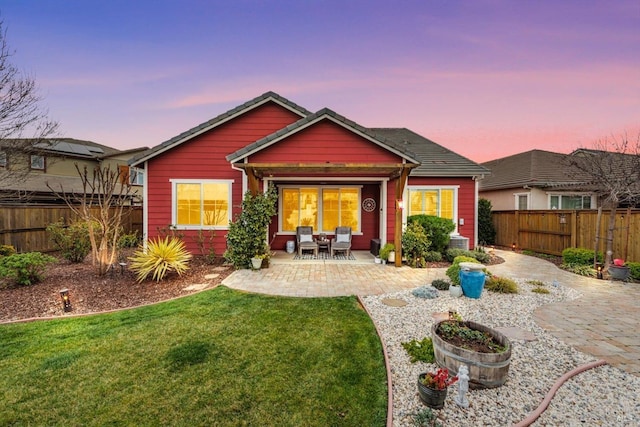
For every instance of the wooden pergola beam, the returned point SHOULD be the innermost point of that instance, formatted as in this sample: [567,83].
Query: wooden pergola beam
[400,183]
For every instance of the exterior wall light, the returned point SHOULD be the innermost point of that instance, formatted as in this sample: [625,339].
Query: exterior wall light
[66,301]
[399,204]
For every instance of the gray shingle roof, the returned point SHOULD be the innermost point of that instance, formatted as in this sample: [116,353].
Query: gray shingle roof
[535,168]
[324,113]
[435,159]
[216,121]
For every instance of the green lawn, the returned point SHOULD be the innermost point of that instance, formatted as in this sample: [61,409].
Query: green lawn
[220,357]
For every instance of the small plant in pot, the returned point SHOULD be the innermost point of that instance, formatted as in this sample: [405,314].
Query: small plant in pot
[432,387]
[386,253]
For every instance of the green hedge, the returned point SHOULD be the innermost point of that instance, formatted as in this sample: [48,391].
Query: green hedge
[579,256]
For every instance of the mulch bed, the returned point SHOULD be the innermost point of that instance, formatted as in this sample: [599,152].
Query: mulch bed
[91,293]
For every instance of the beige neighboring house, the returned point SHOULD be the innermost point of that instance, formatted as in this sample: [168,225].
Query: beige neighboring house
[54,163]
[535,179]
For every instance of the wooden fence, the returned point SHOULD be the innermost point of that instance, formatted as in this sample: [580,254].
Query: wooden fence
[24,227]
[551,231]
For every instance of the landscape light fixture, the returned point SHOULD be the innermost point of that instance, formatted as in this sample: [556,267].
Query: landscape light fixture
[399,204]
[599,270]
[66,301]
[513,246]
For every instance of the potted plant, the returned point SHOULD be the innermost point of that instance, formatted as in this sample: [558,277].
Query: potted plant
[432,387]
[618,270]
[387,253]
[256,261]
[455,290]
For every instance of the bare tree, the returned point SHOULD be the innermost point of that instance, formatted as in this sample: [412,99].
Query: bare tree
[611,169]
[105,193]
[24,125]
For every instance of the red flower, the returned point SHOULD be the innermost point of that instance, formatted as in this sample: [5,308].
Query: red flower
[438,380]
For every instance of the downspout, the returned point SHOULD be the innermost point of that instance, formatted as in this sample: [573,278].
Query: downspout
[145,205]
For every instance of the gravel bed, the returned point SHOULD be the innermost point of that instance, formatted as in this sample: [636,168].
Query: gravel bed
[599,396]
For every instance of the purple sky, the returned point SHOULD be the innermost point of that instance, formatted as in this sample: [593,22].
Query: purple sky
[484,78]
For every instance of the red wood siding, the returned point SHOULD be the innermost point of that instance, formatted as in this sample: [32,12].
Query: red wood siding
[203,157]
[324,142]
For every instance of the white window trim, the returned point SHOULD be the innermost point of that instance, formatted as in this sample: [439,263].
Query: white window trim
[455,188]
[561,195]
[516,196]
[137,172]
[319,188]
[174,213]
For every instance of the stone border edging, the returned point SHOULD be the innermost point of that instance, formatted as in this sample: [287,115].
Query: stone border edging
[547,399]
[386,364]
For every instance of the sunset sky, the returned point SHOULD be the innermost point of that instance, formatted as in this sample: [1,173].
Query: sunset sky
[484,78]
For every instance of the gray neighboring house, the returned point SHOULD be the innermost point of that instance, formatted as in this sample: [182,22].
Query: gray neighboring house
[535,179]
[54,163]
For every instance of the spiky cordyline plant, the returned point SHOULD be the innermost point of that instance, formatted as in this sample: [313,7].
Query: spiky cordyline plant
[160,257]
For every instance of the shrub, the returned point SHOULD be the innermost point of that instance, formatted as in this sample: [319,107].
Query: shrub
[451,254]
[537,283]
[72,241]
[441,284]
[426,418]
[130,240]
[426,292]
[25,269]
[386,250]
[415,243]
[161,256]
[453,272]
[579,256]
[501,285]
[582,270]
[6,250]
[540,290]
[432,256]
[486,230]
[247,233]
[438,230]
[420,351]
[634,270]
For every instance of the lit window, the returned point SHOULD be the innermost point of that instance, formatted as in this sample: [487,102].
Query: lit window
[37,162]
[201,204]
[323,208]
[3,159]
[439,202]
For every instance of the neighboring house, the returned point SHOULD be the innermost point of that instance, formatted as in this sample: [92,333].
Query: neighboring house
[53,162]
[328,170]
[535,179]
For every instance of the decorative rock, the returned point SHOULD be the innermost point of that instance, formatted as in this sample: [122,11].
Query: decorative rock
[394,302]
[211,276]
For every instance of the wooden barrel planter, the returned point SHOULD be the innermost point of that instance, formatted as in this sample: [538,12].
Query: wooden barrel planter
[486,370]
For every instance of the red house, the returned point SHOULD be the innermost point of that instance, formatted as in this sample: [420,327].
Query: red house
[329,171]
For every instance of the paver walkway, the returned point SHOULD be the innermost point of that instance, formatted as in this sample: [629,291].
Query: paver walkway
[604,322]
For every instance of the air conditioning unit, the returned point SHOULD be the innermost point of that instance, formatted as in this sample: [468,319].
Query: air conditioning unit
[459,242]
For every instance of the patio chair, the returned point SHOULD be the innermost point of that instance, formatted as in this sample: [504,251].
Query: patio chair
[305,241]
[342,241]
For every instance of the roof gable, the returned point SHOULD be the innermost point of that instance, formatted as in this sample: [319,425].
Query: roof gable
[310,120]
[219,120]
